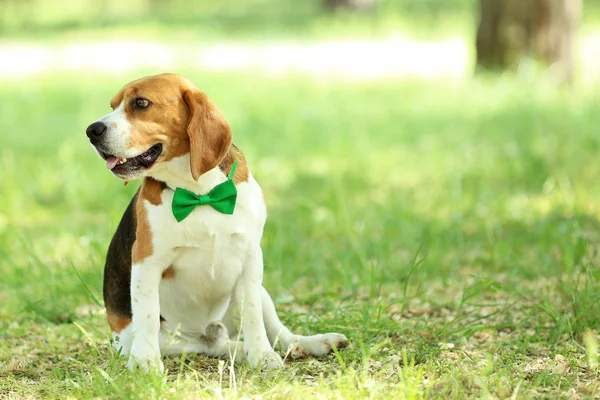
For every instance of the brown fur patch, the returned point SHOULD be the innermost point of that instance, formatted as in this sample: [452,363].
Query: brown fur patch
[169,273]
[241,170]
[151,190]
[142,247]
[117,322]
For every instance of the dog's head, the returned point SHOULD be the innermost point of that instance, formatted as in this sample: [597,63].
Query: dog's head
[156,119]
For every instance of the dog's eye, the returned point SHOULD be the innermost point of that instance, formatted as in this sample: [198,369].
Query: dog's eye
[141,103]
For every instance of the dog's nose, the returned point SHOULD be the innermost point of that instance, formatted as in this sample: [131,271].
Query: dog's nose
[95,130]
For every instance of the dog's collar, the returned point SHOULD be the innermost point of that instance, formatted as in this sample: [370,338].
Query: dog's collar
[222,198]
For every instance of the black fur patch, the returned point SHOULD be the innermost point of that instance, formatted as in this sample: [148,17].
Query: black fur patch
[117,269]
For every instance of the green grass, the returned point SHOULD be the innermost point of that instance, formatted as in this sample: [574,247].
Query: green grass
[450,230]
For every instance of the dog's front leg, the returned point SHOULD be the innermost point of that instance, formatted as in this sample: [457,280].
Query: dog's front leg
[259,352]
[145,307]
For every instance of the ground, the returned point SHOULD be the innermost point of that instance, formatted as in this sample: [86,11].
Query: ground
[450,230]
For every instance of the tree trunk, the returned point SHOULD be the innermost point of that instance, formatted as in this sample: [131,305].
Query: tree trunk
[510,30]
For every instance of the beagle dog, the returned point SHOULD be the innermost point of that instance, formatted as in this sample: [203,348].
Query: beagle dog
[184,269]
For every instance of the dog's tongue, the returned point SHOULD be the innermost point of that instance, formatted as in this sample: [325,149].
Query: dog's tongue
[111,161]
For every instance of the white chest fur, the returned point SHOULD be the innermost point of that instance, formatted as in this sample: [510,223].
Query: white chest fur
[210,249]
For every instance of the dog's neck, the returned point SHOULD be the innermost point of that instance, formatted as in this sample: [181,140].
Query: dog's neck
[177,173]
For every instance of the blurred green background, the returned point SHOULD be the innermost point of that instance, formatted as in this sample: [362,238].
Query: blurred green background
[232,18]
[247,18]
[396,179]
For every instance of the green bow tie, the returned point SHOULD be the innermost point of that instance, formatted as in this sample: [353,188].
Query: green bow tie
[222,198]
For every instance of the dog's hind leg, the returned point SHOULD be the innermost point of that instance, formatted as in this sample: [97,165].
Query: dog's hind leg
[297,345]
[214,342]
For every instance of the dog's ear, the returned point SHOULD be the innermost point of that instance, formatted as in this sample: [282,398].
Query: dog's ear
[117,99]
[209,133]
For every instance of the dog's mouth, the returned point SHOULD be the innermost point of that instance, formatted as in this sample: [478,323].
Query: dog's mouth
[120,165]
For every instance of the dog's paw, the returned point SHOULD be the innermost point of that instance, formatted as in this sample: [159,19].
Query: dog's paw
[145,360]
[318,345]
[216,332]
[264,359]
[145,364]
